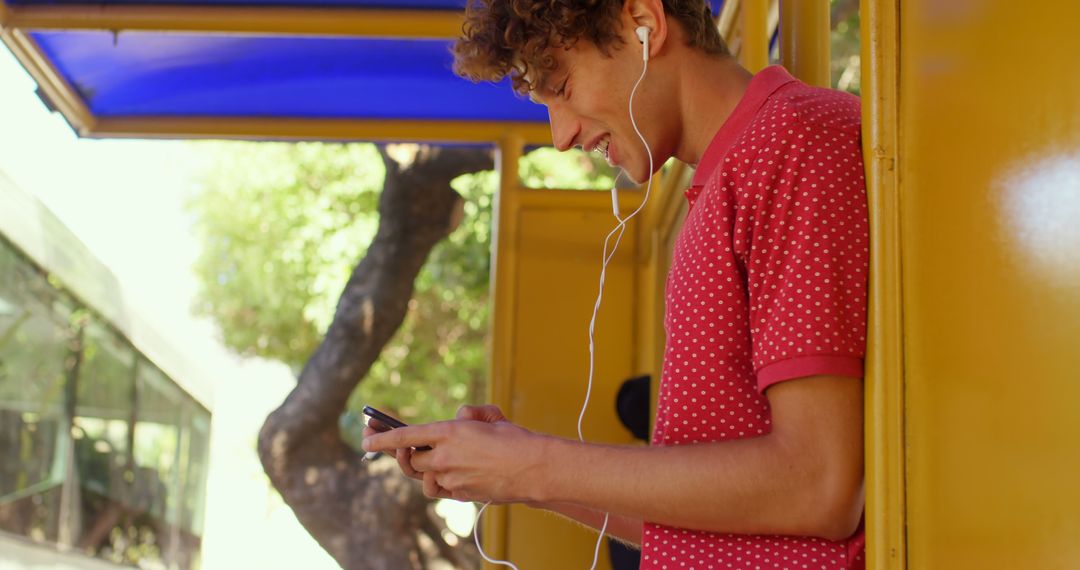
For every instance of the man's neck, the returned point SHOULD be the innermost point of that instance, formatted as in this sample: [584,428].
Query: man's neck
[710,89]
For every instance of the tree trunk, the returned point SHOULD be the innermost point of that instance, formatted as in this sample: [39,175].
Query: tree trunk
[367,515]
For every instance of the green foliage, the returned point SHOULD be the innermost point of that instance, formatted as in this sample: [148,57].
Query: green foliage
[283,225]
[575,169]
[844,46]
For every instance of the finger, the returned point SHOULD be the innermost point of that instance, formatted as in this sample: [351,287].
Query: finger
[422,461]
[376,426]
[467,497]
[411,436]
[404,461]
[432,488]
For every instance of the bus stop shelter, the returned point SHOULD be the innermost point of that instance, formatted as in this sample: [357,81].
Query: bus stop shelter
[380,70]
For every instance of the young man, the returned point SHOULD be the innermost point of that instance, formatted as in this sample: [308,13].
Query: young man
[756,459]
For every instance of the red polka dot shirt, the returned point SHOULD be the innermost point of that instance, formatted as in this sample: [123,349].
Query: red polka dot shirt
[768,283]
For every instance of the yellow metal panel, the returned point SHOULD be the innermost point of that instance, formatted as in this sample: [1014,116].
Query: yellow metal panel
[272,20]
[990,194]
[554,199]
[318,129]
[558,266]
[804,40]
[884,385]
[547,262]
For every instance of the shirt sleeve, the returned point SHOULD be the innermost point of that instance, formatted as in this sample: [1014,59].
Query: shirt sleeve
[806,243]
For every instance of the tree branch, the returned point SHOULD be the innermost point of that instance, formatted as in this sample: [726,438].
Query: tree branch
[364,516]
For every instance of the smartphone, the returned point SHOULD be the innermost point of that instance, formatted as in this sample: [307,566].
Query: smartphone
[388,423]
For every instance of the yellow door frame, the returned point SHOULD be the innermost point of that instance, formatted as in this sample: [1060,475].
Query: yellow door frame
[886,543]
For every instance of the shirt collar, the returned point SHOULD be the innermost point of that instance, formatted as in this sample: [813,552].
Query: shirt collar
[761,87]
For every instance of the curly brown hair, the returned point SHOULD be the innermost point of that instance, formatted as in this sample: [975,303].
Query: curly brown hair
[517,37]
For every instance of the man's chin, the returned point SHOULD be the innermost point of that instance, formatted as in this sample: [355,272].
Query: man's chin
[638,178]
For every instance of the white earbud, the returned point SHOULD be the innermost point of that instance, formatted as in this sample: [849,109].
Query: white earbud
[643,37]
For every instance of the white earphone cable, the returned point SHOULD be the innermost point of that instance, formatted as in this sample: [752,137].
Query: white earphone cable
[619,229]
[476,539]
[618,232]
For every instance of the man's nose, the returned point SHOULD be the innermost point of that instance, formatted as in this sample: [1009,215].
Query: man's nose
[564,127]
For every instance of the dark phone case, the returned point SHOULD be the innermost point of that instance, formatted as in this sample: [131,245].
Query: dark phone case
[388,420]
[384,418]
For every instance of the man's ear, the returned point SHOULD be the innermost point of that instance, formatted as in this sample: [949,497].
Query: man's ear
[648,13]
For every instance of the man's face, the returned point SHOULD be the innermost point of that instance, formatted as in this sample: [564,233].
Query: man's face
[587,97]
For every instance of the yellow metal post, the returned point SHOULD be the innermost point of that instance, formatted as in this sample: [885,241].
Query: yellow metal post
[804,40]
[504,259]
[754,49]
[284,128]
[885,510]
[263,20]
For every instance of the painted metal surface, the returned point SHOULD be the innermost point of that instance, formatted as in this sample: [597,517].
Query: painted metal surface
[884,381]
[804,40]
[246,19]
[989,167]
[547,262]
[389,130]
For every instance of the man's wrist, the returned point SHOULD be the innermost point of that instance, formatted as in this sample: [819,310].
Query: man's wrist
[545,471]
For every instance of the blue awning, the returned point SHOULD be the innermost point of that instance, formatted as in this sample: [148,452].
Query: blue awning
[155,74]
[120,62]
[375,4]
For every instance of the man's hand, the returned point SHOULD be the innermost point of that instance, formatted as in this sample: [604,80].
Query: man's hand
[478,457]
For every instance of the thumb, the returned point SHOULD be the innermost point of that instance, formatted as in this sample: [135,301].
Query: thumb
[487,413]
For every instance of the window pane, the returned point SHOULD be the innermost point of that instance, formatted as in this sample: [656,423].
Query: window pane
[102,432]
[196,453]
[546,167]
[158,431]
[34,366]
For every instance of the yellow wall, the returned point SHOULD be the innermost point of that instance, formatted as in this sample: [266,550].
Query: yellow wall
[558,267]
[989,163]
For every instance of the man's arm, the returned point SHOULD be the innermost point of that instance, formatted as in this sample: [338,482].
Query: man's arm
[624,529]
[803,478]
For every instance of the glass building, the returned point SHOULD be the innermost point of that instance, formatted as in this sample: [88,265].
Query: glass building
[104,427]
